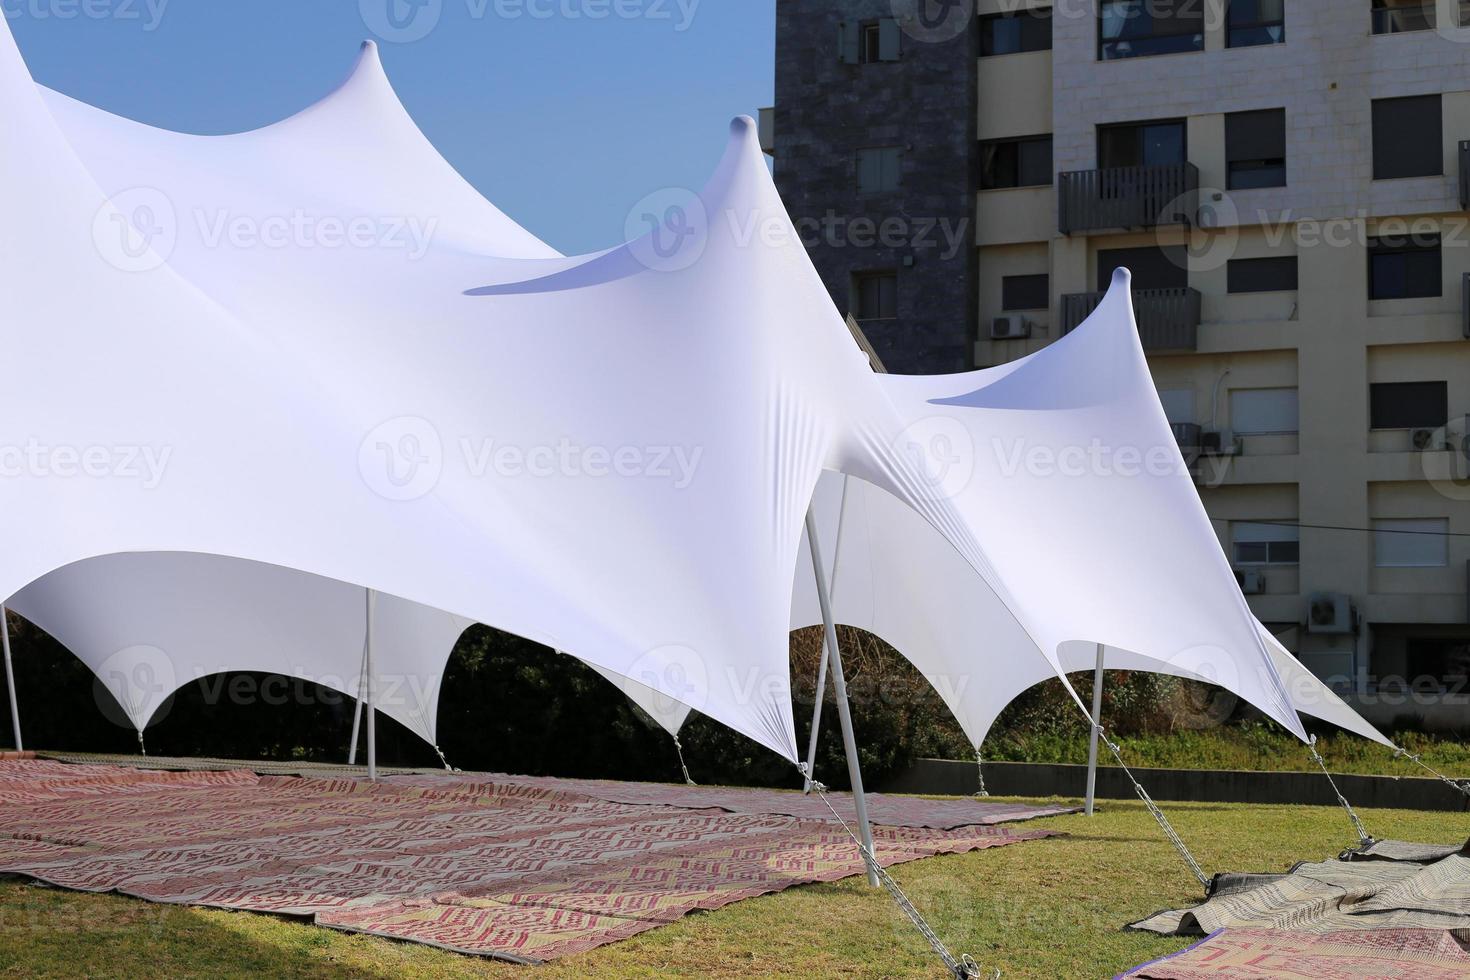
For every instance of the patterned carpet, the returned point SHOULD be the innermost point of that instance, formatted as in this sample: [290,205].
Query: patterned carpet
[1386,954]
[517,868]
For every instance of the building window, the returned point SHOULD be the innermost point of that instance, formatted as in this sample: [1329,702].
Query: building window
[1025,292]
[1411,543]
[1145,144]
[1255,149]
[1436,664]
[879,168]
[1408,137]
[1263,411]
[868,42]
[1398,16]
[1015,32]
[1178,404]
[1404,267]
[1252,22]
[1265,544]
[1135,28]
[1153,266]
[1022,162]
[1268,275]
[1465,13]
[1409,404]
[876,295]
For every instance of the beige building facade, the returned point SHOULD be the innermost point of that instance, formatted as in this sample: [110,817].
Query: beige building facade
[1287,182]
[1318,493]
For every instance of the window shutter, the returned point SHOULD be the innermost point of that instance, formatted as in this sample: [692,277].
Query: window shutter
[888,39]
[848,35]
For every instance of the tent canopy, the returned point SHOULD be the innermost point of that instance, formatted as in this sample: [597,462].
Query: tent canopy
[609,454]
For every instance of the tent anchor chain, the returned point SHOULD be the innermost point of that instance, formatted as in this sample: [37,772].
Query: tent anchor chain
[982,792]
[1364,838]
[1462,785]
[1158,814]
[962,967]
[678,748]
[447,766]
[142,746]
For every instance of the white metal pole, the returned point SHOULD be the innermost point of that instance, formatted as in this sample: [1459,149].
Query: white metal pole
[811,752]
[1097,691]
[357,706]
[839,683]
[370,690]
[10,678]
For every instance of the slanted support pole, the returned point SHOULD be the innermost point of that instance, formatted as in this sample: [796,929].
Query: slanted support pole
[357,707]
[811,752]
[10,678]
[839,683]
[1097,691]
[370,692]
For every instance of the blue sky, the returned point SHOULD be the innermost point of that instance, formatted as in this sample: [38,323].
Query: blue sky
[563,112]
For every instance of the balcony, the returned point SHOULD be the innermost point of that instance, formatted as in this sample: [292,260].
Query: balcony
[1168,319]
[1127,197]
[1465,175]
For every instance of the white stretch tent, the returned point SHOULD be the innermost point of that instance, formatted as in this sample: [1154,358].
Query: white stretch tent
[900,580]
[322,408]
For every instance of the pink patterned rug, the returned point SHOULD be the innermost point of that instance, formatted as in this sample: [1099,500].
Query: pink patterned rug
[891,811]
[1376,954]
[516,868]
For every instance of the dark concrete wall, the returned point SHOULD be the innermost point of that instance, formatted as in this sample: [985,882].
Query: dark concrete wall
[925,102]
[948,777]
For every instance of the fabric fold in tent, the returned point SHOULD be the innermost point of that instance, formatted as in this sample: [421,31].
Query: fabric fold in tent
[611,455]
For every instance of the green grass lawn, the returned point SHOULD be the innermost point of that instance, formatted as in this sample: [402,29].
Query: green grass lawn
[1252,746]
[1051,908]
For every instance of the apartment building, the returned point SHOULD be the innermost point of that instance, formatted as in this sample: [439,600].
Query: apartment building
[1289,182]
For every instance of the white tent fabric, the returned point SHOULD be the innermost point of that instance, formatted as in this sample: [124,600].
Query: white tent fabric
[149,623]
[609,454]
[897,578]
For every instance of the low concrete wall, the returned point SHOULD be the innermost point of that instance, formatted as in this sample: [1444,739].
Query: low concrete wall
[949,777]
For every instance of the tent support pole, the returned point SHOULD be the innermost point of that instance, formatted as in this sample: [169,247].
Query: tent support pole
[357,708]
[10,679]
[1097,689]
[811,751]
[844,710]
[368,689]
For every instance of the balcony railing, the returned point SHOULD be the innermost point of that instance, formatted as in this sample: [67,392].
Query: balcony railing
[1168,319]
[1465,175]
[1127,197]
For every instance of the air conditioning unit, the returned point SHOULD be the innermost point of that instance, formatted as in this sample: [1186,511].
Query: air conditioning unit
[1222,443]
[1010,328]
[1423,440]
[1251,582]
[1331,612]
